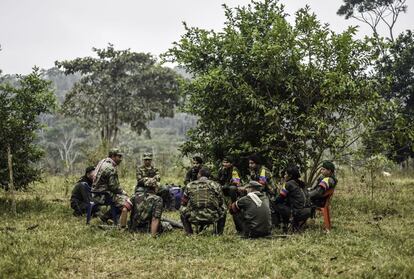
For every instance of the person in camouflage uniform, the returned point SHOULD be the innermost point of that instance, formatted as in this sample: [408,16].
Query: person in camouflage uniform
[192,173]
[253,212]
[262,175]
[325,182]
[229,178]
[147,210]
[203,203]
[147,173]
[106,184]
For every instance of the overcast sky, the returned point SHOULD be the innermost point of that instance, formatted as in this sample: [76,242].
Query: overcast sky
[39,32]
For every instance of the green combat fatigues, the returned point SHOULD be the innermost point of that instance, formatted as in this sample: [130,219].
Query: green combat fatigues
[144,174]
[203,203]
[107,181]
[255,219]
[146,206]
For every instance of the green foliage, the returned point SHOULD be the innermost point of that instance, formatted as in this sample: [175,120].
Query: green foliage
[20,108]
[393,133]
[119,87]
[293,93]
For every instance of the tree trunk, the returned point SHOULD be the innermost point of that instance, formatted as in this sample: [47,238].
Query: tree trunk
[11,182]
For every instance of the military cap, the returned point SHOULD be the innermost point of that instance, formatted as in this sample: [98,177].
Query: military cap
[253,184]
[328,165]
[114,152]
[147,156]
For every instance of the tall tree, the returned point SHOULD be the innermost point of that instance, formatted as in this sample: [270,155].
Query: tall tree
[394,133]
[291,93]
[373,12]
[119,87]
[20,107]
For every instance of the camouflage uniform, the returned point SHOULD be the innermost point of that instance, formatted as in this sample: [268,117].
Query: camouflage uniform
[107,181]
[147,174]
[203,203]
[147,206]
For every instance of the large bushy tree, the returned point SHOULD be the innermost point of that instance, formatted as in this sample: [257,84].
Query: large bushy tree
[394,132]
[20,107]
[119,87]
[292,93]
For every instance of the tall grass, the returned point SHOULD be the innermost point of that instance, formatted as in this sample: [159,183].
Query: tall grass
[371,238]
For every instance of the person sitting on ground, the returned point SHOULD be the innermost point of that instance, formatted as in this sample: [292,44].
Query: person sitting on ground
[293,201]
[146,172]
[147,211]
[229,178]
[325,182]
[81,193]
[262,175]
[253,212]
[203,203]
[192,173]
[106,184]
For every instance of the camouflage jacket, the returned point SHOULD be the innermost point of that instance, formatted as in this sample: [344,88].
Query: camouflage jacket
[203,201]
[264,177]
[144,174]
[146,207]
[106,179]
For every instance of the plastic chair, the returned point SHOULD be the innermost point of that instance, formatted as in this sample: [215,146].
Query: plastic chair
[108,201]
[326,211]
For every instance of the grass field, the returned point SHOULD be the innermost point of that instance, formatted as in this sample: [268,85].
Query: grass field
[370,239]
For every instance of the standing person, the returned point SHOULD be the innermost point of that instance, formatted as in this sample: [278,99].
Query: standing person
[192,173]
[147,172]
[229,178]
[81,193]
[262,175]
[293,201]
[203,203]
[325,182]
[106,184]
[253,212]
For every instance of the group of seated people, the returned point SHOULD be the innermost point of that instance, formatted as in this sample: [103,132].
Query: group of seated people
[257,206]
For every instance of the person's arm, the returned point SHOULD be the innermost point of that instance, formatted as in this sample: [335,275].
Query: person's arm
[85,192]
[155,224]
[187,177]
[157,175]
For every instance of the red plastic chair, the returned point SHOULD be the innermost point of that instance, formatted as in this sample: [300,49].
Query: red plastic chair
[326,211]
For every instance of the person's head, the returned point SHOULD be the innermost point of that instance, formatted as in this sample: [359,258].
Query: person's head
[204,172]
[254,162]
[327,169]
[227,162]
[253,186]
[116,155]
[292,172]
[89,172]
[147,158]
[197,162]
